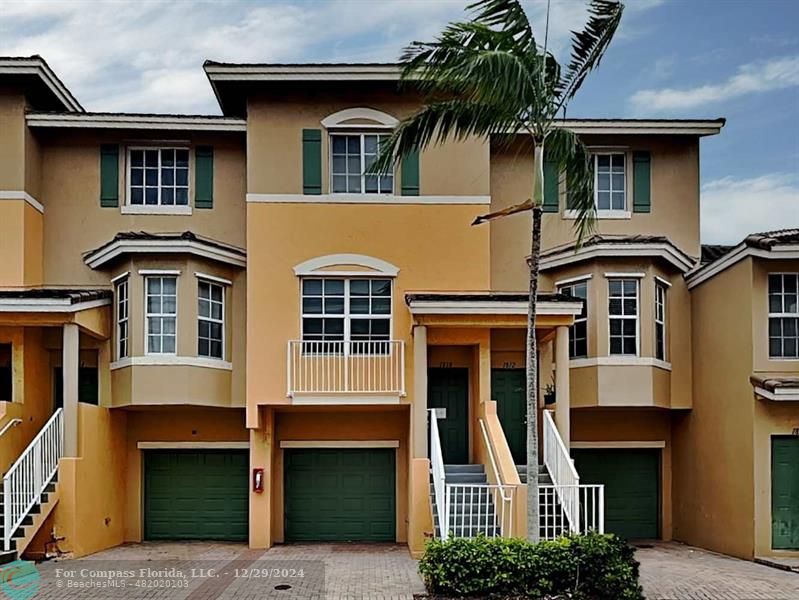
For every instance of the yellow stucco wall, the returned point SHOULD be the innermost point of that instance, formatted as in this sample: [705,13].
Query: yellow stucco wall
[675,202]
[714,443]
[382,231]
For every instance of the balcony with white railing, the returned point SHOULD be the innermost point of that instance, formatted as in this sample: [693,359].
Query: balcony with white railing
[331,369]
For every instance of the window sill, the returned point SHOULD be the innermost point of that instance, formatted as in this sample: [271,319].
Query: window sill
[620,361]
[130,209]
[163,360]
[601,214]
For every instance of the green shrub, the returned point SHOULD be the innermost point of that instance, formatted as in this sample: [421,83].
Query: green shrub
[588,567]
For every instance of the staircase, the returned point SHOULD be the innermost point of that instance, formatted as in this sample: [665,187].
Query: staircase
[472,506]
[29,492]
[543,474]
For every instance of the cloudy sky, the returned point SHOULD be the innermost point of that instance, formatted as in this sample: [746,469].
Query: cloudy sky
[671,58]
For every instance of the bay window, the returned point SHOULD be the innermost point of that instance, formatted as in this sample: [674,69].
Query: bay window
[210,319]
[122,305]
[578,332]
[660,321]
[161,314]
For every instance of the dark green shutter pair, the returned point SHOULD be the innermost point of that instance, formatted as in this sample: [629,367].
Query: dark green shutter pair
[642,192]
[312,166]
[203,176]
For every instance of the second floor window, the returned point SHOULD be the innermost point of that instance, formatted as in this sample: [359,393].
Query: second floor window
[162,313]
[357,311]
[783,315]
[609,185]
[660,321]
[122,318]
[352,156]
[159,177]
[623,316]
[210,320]
[578,333]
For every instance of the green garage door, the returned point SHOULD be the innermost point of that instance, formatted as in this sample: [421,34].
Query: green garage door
[196,495]
[340,495]
[785,493]
[632,489]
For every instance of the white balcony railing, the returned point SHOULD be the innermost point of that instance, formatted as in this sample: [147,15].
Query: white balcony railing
[373,367]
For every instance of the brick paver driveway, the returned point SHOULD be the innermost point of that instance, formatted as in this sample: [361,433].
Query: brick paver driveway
[211,571]
[678,572]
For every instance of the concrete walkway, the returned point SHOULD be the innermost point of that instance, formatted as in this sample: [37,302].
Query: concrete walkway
[671,571]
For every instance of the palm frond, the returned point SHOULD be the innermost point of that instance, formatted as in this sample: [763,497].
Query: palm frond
[435,122]
[589,46]
[567,150]
[509,15]
[505,212]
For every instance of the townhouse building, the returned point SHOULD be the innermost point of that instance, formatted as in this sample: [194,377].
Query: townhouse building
[223,327]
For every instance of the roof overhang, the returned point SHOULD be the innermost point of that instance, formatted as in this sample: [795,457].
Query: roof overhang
[48,305]
[776,389]
[131,121]
[627,250]
[739,253]
[302,72]
[35,67]
[489,304]
[697,127]
[109,252]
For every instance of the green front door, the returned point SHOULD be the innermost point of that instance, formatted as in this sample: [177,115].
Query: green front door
[785,493]
[507,389]
[448,389]
[632,491]
[340,495]
[196,495]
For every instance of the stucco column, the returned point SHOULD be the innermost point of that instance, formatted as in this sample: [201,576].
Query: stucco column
[419,406]
[562,384]
[69,371]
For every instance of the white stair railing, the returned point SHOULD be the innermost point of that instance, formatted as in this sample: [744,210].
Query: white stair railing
[554,520]
[479,510]
[561,469]
[437,468]
[503,494]
[28,477]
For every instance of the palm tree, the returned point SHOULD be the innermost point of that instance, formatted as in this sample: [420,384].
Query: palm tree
[489,78]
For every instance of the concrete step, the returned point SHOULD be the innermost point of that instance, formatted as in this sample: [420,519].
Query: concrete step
[464,468]
[466,478]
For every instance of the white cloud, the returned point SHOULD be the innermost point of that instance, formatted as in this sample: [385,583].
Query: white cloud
[752,78]
[732,208]
[147,56]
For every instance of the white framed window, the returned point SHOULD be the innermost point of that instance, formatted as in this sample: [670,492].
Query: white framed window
[351,157]
[783,315]
[578,332]
[660,321]
[610,183]
[161,305]
[623,316]
[347,315]
[158,177]
[122,313]
[210,319]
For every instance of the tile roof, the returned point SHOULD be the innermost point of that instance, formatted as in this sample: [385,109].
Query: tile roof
[768,239]
[711,252]
[74,296]
[772,384]
[188,236]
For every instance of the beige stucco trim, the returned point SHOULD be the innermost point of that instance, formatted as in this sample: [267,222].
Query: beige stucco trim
[570,256]
[619,361]
[120,247]
[478,307]
[339,118]
[213,278]
[22,195]
[161,360]
[600,214]
[119,277]
[705,272]
[48,305]
[159,272]
[364,199]
[315,265]
[133,209]
[576,279]
[112,121]
[339,444]
[665,282]
[193,445]
[779,395]
[621,274]
[621,444]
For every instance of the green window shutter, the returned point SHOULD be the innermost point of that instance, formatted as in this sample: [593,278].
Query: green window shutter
[409,185]
[204,177]
[312,161]
[109,175]
[551,187]
[642,193]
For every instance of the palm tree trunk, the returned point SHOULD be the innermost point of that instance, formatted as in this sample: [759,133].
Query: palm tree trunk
[533,525]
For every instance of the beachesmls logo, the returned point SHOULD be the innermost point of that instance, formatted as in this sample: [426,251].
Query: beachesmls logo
[19,580]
